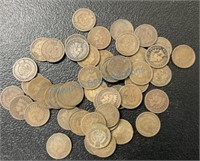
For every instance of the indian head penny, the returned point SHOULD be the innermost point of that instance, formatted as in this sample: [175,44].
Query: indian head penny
[139,55]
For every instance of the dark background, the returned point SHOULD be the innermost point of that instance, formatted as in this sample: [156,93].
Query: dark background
[22,21]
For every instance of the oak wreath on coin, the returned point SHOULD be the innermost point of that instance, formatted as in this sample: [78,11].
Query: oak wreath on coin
[141,61]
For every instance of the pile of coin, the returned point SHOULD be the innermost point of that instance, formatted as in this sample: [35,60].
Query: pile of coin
[142,59]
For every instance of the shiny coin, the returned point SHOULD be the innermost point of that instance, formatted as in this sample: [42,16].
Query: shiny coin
[103,55]
[24,69]
[117,87]
[131,96]
[91,93]
[98,136]
[75,122]
[110,113]
[92,59]
[84,19]
[18,106]
[139,56]
[148,124]
[162,76]
[90,119]
[103,68]
[147,35]
[99,37]
[8,94]
[156,101]
[76,48]
[157,56]
[63,117]
[24,86]
[36,115]
[53,50]
[123,133]
[119,67]
[108,95]
[69,94]
[183,56]
[142,73]
[119,27]
[127,44]
[89,77]
[58,146]
[166,43]
[36,48]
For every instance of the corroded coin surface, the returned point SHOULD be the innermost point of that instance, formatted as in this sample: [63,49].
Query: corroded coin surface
[123,133]
[166,43]
[183,56]
[127,44]
[156,101]
[99,37]
[157,56]
[89,77]
[110,113]
[141,73]
[90,119]
[36,48]
[131,96]
[83,19]
[8,94]
[76,48]
[162,76]
[139,55]
[148,124]
[24,69]
[98,136]
[119,67]
[18,106]
[36,115]
[92,59]
[147,35]
[119,27]
[108,95]
[58,146]
[91,93]
[103,55]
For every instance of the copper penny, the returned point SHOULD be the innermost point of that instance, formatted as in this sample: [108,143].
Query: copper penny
[166,43]
[139,55]
[103,55]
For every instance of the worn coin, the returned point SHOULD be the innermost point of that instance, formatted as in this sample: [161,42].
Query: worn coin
[147,35]
[36,48]
[114,127]
[89,77]
[18,106]
[141,73]
[8,94]
[139,55]
[166,43]
[119,27]
[127,44]
[36,115]
[110,113]
[63,117]
[108,95]
[123,133]
[53,50]
[98,136]
[131,96]
[92,59]
[76,48]
[69,94]
[58,146]
[148,124]
[117,87]
[157,56]
[91,93]
[24,86]
[99,37]
[75,122]
[183,56]
[119,67]
[103,55]
[83,19]
[162,76]
[156,101]
[24,69]
[90,119]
